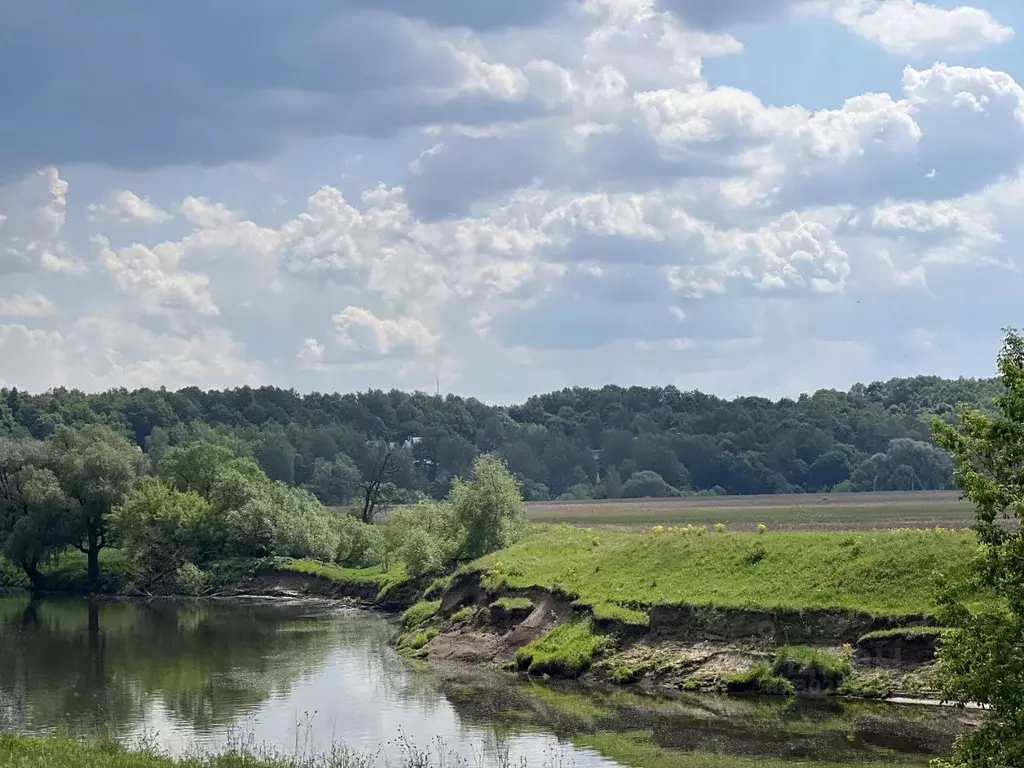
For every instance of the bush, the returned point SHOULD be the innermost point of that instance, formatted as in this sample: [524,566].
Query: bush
[811,669]
[190,579]
[488,509]
[647,485]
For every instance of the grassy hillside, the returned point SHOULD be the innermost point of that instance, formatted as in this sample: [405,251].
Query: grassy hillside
[887,573]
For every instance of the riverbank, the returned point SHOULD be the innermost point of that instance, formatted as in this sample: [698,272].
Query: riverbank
[666,611]
[686,609]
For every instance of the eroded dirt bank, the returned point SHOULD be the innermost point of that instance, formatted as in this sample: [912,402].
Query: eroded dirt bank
[681,648]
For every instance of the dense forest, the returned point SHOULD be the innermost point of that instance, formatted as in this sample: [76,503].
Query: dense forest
[578,443]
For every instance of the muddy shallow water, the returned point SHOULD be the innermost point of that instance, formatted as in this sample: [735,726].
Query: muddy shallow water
[304,675]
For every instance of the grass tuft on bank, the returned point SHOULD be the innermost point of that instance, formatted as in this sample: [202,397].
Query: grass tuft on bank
[891,573]
[567,651]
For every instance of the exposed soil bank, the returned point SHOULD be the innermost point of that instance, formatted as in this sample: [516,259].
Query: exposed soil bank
[684,648]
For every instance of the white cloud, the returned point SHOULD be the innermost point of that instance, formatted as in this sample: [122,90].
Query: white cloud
[154,279]
[99,353]
[30,304]
[911,28]
[125,206]
[360,329]
[33,213]
[311,355]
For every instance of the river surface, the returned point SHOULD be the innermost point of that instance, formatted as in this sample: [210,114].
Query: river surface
[301,676]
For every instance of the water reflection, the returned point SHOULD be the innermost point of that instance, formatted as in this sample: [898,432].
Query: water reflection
[194,670]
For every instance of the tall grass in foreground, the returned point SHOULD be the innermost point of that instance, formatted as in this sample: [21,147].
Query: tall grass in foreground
[27,752]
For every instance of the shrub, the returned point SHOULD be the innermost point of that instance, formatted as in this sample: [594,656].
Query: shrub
[647,484]
[488,509]
[190,579]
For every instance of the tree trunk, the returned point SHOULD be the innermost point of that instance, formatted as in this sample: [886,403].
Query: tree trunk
[93,572]
[35,577]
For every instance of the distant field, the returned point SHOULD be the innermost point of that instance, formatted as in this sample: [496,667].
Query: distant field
[794,512]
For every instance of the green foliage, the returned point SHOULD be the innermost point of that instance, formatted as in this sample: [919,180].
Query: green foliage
[566,651]
[195,467]
[625,675]
[759,679]
[190,579]
[337,482]
[885,574]
[420,614]
[811,668]
[878,685]
[646,484]
[692,440]
[163,529]
[981,653]
[488,508]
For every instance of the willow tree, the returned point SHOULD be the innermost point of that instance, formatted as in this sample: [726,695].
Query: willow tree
[96,468]
[982,657]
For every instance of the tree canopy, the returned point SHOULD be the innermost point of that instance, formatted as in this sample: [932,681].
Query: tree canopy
[583,443]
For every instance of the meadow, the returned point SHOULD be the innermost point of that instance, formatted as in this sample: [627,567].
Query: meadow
[884,573]
[787,512]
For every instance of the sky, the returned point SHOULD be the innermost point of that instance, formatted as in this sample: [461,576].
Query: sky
[746,197]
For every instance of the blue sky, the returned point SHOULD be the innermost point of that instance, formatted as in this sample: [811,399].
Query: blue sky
[746,197]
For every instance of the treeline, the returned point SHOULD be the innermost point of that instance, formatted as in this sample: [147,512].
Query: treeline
[578,443]
[89,488]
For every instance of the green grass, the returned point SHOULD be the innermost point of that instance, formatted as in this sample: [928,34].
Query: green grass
[420,614]
[878,685]
[23,752]
[567,651]
[814,668]
[760,678]
[511,604]
[883,573]
[463,614]
[337,573]
[641,748]
[904,632]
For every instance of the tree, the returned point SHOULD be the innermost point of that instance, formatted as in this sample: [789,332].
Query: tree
[981,655]
[96,468]
[488,508]
[195,467]
[276,456]
[163,528]
[336,482]
[382,463]
[647,485]
[33,526]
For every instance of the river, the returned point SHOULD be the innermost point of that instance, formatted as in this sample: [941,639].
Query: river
[299,676]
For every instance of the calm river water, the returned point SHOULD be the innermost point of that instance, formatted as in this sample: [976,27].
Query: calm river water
[202,673]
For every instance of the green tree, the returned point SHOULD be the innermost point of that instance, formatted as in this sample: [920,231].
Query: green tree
[163,529]
[195,467]
[336,483]
[647,484]
[276,457]
[96,468]
[488,508]
[33,525]
[981,658]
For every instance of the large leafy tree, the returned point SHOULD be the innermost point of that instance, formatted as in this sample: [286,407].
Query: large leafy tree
[34,526]
[96,469]
[982,658]
[488,508]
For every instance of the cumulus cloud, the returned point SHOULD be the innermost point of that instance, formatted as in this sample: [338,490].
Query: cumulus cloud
[30,304]
[911,28]
[125,206]
[360,329]
[99,353]
[33,212]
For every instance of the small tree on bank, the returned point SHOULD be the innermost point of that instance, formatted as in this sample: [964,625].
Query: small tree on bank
[982,658]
